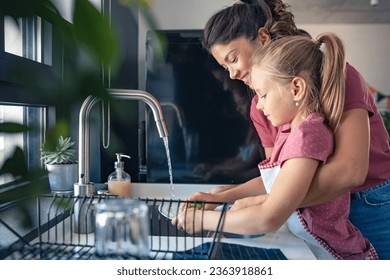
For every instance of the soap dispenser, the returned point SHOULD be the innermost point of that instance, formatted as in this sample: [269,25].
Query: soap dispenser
[119,181]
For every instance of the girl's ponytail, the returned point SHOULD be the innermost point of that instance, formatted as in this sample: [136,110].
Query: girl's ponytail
[333,76]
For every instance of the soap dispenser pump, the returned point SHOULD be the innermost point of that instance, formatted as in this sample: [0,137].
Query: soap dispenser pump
[119,181]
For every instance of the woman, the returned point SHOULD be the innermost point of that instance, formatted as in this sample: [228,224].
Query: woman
[360,163]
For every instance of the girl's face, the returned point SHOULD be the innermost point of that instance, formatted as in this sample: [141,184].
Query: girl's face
[235,57]
[275,99]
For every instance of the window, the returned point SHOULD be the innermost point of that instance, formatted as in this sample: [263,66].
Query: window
[27,43]
[29,141]
[8,142]
[24,38]
[12,36]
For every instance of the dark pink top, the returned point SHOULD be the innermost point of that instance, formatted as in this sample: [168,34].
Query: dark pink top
[357,95]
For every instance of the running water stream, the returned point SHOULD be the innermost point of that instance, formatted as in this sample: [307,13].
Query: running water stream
[166,144]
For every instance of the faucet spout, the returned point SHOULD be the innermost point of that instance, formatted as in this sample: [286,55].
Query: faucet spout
[84,133]
[147,98]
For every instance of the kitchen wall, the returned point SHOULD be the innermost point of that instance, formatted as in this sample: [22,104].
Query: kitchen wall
[367,47]
[367,44]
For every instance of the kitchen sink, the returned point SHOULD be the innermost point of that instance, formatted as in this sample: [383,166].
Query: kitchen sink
[163,191]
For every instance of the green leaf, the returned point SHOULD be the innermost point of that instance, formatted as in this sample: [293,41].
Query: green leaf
[20,8]
[94,31]
[386,120]
[15,165]
[26,219]
[61,153]
[9,127]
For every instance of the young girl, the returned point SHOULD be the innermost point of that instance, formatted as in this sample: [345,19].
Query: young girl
[300,90]
[361,159]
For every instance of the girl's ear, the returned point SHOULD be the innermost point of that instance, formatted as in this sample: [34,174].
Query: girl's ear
[263,36]
[298,85]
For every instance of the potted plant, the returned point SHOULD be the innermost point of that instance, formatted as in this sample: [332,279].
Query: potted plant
[61,163]
[386,120]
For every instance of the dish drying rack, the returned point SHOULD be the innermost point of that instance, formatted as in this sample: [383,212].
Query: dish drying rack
[56,239]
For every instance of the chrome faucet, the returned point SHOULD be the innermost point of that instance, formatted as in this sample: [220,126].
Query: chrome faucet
[84,186]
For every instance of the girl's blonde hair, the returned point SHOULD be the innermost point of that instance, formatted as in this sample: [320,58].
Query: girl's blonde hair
[320,62]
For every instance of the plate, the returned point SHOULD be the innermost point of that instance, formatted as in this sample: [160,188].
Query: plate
[243,236]
[169,209]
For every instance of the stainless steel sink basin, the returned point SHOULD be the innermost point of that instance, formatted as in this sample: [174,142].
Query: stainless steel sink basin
[158,190]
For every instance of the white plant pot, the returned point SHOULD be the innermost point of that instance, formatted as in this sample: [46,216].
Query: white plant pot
[62,177]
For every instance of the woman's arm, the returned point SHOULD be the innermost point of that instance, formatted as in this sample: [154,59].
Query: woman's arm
[248,202]
[268,152]
[348,166]
[230,194]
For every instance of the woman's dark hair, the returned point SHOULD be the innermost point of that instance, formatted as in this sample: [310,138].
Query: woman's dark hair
[244,19]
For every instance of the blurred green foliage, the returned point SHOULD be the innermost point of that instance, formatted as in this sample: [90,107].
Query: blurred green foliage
[89,47]
[386,120]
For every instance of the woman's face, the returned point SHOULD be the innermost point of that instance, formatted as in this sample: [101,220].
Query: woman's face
[235,57]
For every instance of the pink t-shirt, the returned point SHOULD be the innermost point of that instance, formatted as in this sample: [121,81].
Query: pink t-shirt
[310,139]
[357,95]
[327,222]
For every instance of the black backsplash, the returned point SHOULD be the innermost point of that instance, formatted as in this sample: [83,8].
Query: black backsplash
[207,115]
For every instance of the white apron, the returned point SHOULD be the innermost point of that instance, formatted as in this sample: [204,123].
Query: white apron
[293,223]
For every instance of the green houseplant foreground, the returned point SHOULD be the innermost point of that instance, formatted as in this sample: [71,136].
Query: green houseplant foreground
[90,49]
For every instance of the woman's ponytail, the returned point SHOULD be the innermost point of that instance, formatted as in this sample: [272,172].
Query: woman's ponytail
[281,22]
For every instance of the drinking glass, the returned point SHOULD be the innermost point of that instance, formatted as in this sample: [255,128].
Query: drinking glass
[122,228]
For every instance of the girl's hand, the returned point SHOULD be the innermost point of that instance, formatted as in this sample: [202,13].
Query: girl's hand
[190,220]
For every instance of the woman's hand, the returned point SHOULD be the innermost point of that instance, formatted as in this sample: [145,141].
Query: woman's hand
[220,189]
[204,197]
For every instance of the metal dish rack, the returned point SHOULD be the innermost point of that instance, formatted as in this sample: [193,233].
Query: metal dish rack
[56,239]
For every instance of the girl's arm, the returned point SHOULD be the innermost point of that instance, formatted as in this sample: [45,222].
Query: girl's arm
[348,166]
[288,191]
